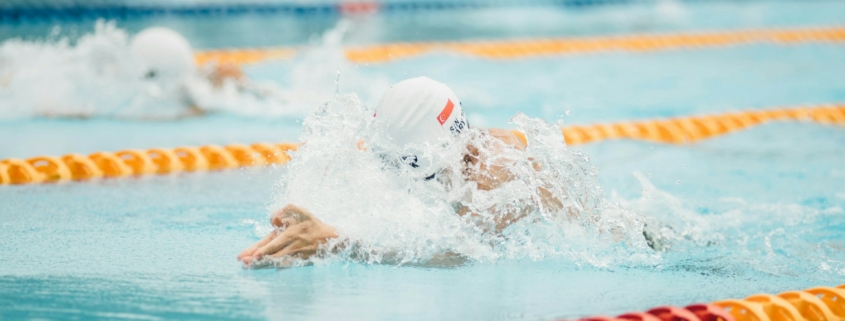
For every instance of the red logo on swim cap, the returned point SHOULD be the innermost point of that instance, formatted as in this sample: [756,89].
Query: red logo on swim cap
[444,115]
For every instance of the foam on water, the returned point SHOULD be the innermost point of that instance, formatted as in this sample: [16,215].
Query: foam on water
[98,76]
[388,213]
[731,234]
[385,213]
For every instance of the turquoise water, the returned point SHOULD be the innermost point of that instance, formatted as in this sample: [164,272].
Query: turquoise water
[462,24]
[164,247]
[759,210]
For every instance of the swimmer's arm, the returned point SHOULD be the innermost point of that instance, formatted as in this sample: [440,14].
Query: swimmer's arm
[490,174]
[443,259]
[223,72]
[517,140]
[502,218]
[300,235]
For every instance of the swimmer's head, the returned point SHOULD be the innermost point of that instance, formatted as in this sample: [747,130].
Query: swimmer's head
[422,113]
[164,55]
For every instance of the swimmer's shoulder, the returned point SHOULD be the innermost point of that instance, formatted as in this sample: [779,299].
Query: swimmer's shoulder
[511,137]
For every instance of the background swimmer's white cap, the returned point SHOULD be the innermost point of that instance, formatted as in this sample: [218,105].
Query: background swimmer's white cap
[420,110]
[163,53]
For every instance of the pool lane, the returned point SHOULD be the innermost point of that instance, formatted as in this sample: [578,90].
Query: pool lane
[164,246]
[580,89]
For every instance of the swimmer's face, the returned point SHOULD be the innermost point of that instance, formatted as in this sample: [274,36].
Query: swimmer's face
[419,166]
[150,74]
[424,168]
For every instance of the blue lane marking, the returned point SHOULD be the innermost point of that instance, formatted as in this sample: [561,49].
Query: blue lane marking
[72,10]
[125,12]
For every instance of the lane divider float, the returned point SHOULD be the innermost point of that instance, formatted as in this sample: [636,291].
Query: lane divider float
[694,128]
[135,162]
[213,157]
[242,56]
[510,49]
[815,304]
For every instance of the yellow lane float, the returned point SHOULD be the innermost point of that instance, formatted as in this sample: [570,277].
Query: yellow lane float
[511,49]
[816,304]
[131,162]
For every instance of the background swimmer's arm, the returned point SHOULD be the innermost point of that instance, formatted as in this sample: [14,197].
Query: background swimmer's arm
[223,72]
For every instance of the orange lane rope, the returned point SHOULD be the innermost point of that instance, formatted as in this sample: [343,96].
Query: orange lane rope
[212,157]
[242,56]
[815,304]
[690,129]
[507,49]
[141,162]
[638,43]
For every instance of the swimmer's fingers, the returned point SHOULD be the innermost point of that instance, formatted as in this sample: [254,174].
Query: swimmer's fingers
[248,252]
[301,238]
[298,249]
[288,257]
[283,222]
[271,262]
[289,215]
[277,244]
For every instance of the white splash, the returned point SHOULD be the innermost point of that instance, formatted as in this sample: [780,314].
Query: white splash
[98,76]
[733,234]
[389,214]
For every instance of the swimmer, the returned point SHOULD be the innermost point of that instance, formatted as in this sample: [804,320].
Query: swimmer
[416,111]
[166,62]
[151,75]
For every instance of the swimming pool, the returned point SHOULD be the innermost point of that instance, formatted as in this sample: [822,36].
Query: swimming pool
[758,210]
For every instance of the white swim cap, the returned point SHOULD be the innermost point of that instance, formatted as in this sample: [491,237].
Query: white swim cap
[422,113]
[163,54]
[419,111]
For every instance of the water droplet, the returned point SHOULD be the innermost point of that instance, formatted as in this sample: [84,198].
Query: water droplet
[405,72]
[337,83]
[678,182]
[568,112]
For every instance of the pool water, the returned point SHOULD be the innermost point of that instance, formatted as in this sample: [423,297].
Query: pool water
[755,211]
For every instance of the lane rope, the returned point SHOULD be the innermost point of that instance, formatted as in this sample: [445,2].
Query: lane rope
[242,56]
[512,49]
[690,129]
[814,304]
[131,162]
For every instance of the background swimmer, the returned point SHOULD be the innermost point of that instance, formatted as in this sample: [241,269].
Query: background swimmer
[166,61]
[152,75]
[418,116]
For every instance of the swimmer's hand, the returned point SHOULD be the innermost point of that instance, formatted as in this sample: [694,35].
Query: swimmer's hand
[298,236]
